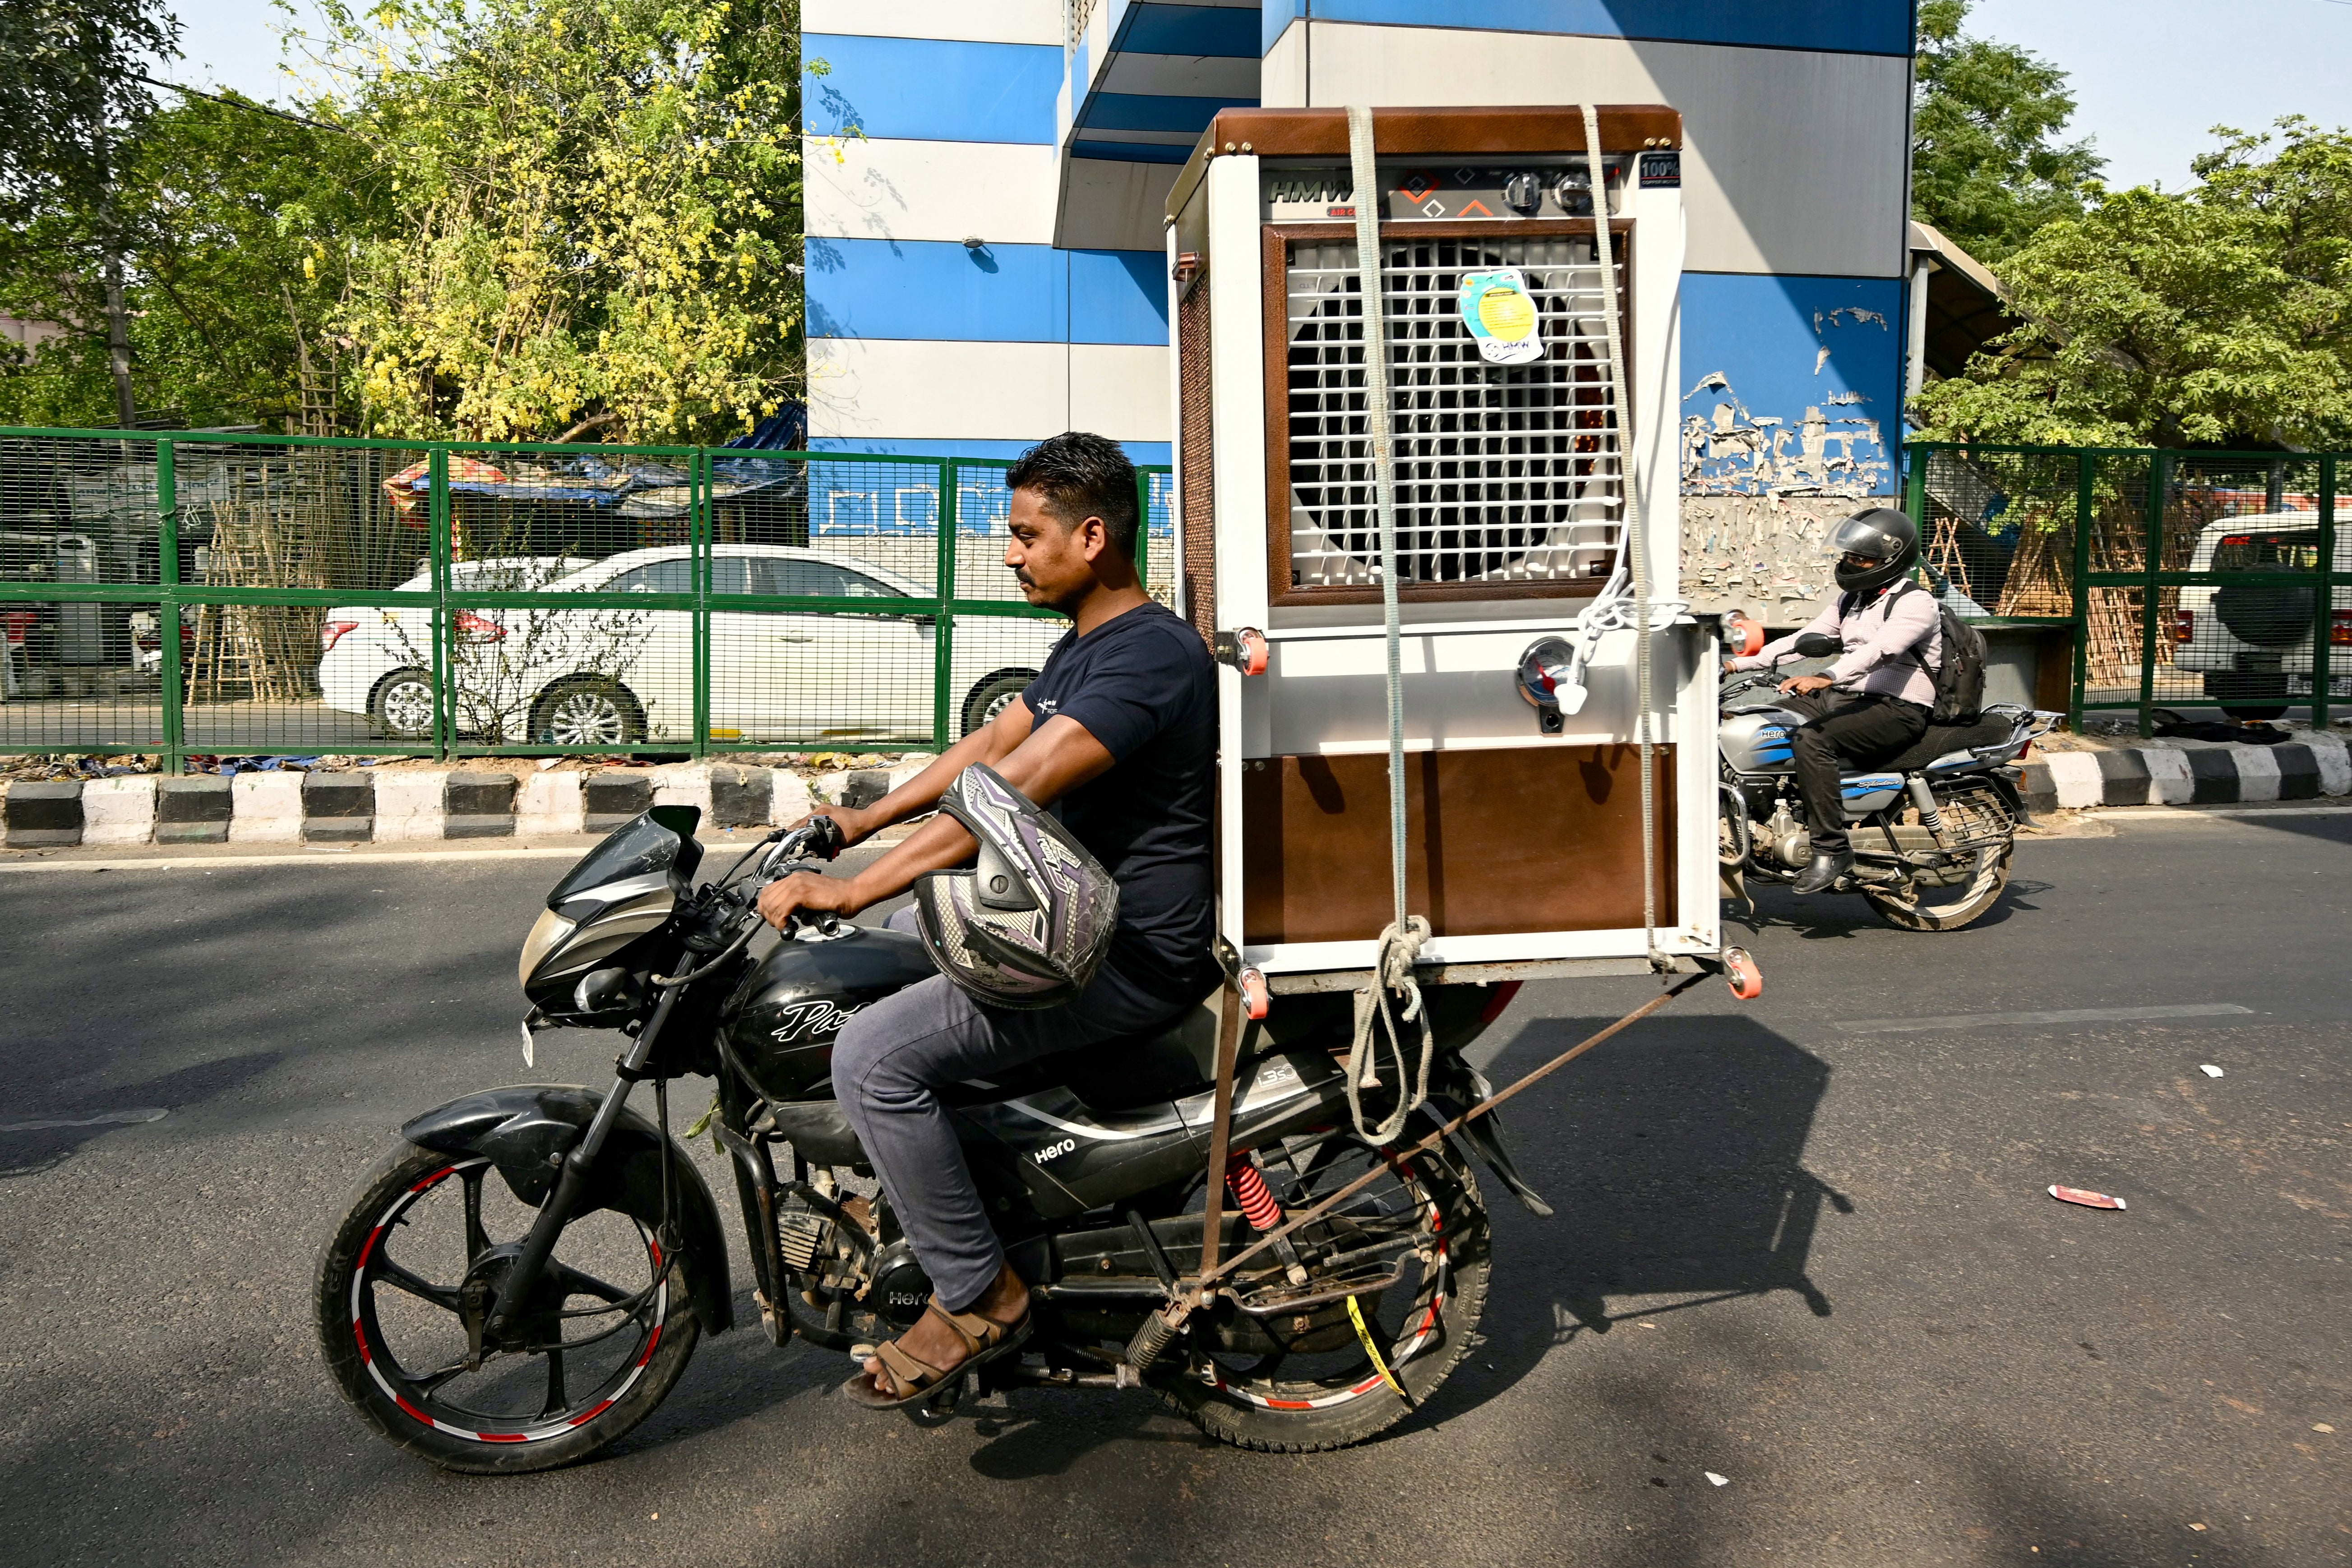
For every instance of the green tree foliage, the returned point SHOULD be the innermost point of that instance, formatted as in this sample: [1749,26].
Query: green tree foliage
[2218,316]
[237,225]
[597,208]
[71,93]
[1987,166]
[494,219]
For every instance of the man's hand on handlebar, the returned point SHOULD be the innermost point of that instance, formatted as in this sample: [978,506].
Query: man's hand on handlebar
[807,892]
[1806,685]
[854,825]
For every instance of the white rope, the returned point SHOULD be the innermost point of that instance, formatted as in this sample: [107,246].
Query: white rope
[1634,540]
[1401,942]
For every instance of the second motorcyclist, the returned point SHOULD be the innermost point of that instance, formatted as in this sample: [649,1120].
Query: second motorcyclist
[1875,701]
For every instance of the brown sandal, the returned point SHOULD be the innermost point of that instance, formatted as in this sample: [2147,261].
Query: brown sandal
[984,1339]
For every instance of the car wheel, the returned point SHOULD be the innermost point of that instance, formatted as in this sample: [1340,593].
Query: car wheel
[588,713]
[994,696]
[403,708]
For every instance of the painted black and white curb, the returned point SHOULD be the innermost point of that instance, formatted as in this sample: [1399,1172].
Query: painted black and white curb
[392,806]
[2204,774]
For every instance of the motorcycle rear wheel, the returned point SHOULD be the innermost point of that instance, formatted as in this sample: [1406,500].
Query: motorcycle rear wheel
[1424,1325]
[384,1321]
[1987,881]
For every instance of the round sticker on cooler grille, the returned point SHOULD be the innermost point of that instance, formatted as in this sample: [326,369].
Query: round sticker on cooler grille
[1501,316]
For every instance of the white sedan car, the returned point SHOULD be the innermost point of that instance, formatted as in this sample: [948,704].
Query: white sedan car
[613,675]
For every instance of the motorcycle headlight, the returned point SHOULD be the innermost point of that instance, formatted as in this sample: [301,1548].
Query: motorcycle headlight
[546,936]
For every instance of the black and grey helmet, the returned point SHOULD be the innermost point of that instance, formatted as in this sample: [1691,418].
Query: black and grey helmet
[1883,534]
[1027,924]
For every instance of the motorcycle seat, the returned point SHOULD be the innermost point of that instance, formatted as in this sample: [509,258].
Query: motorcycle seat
[1129,1071]
[1943,738]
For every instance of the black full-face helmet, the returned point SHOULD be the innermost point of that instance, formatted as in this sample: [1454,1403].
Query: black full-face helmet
[1884,537]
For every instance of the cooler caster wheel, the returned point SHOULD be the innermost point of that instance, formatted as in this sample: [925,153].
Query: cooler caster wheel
[1741,973]
[1255,998]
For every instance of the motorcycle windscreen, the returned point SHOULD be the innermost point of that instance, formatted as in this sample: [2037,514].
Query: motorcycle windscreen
[660,841]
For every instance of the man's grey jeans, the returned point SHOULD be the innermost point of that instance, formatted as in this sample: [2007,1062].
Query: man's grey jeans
[893,1057]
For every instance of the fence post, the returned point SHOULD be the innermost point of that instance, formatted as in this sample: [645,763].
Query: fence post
[943,631]
[2323,625]
[2085,472]
[444,671]
[1915,490]
[698,534]
[167,608]
[2159,480]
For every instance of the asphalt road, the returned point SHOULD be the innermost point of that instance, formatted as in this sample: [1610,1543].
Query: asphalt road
[1815,1259]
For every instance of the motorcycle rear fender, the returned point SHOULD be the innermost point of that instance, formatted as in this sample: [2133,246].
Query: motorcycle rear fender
[526,1129]
[2004,781]
[1467,1087]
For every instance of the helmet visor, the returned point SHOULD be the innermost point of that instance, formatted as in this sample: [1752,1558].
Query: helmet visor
[1860,536]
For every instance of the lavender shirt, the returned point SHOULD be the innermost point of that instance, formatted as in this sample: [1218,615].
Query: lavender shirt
[1889,646]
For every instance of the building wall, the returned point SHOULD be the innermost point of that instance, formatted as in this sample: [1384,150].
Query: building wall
[943,121]
[933,124]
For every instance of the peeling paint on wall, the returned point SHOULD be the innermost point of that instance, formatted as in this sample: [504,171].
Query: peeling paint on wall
[1732,450]
[1766,555]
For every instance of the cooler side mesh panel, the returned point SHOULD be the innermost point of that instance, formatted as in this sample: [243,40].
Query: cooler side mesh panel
[1197,496]
[1505,473]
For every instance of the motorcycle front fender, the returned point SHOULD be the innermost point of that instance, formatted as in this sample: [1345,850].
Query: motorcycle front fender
[526,1129]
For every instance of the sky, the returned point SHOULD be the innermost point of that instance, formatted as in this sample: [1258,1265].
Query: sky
[2152,77]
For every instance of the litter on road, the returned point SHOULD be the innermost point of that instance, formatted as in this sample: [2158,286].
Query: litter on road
[2086,1198]
[2209,1069]
[1718,1480]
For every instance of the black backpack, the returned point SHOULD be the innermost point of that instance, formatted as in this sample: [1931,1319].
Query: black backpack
[1961,678]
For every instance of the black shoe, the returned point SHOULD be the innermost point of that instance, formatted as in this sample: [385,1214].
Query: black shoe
[1827,867]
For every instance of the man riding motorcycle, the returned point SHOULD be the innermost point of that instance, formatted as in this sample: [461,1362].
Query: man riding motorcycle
[1873,703]
[1118,730]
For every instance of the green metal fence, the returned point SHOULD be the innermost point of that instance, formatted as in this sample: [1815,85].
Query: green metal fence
[450,599]
[2189,579]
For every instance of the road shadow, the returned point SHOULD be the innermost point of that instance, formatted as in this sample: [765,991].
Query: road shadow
[1838,916]
[32,1150]
[1673,1161]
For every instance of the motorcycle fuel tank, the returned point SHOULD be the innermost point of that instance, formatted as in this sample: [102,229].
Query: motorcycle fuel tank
[1756,740]
[781,1020]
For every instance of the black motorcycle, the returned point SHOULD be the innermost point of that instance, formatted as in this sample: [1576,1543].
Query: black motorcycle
[523,1322]
[1932,830]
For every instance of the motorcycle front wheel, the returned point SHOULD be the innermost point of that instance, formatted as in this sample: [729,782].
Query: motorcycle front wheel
[401,1288]
[1350,1378]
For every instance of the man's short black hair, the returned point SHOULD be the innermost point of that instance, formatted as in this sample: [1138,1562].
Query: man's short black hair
[1082,475]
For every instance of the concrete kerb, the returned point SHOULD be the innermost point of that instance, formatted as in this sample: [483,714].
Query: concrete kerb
[2223,774]
[265,808]
[392,806]
[118,810]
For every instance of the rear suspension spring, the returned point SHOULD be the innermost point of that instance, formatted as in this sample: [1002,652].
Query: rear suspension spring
[1251,1193]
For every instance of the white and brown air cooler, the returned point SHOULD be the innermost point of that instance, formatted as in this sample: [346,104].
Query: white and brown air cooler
[1524,841]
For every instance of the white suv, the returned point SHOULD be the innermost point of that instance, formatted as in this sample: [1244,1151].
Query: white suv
[609,675]
[2253,643]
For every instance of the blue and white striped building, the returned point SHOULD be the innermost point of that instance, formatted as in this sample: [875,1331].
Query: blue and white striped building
[986,179]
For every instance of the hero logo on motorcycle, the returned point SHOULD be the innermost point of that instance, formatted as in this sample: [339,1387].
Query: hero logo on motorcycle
[805,1020]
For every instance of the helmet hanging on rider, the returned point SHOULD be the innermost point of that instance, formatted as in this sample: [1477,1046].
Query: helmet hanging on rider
[1027,924]
[1873,549]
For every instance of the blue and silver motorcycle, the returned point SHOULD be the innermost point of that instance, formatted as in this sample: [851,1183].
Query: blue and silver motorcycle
[1932,830]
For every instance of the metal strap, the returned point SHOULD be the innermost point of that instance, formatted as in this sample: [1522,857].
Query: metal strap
[1637,537]
[1384,456]
[1221,1131]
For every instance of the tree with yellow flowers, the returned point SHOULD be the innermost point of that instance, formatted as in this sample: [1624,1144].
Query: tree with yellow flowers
[597,216]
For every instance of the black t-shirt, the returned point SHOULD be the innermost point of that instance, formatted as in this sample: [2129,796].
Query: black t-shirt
[1143,686]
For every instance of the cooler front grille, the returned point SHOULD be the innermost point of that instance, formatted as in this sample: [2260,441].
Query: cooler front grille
[1504,474]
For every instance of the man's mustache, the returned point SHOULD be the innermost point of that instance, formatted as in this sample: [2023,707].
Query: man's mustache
[1021,575]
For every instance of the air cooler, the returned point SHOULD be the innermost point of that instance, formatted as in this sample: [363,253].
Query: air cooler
[1524,825]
